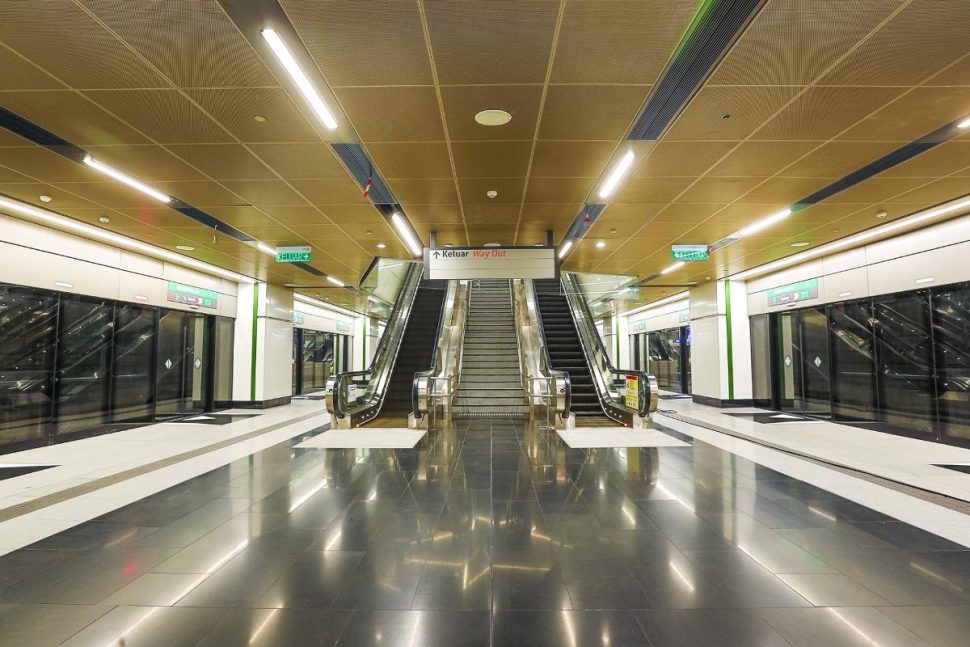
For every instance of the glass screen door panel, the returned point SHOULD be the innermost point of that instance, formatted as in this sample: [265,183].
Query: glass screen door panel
[84,354]
[134,355]
[28,322]
[905,353]
[816,394]
[853,361]
[181,368]
[787,359]
[951,331]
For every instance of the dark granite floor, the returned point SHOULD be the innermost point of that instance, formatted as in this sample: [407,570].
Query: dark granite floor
[489,534]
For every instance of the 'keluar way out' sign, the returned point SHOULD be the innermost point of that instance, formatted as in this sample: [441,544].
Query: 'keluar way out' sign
[689,252]
[490,263]
[301,254]
[801,291]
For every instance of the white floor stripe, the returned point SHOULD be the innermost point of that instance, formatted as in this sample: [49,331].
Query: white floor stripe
[617,437]
[388,438]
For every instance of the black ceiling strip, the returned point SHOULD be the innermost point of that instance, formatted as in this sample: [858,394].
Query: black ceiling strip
[887,161]
[584,220]
[309,268]
[43,137]
[31,131]
[204,218]
[716,27]
[362,169]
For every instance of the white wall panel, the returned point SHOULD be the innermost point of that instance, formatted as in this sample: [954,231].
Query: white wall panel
[850,284]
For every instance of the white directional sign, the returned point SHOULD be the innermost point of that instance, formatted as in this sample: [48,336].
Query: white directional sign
[490,263]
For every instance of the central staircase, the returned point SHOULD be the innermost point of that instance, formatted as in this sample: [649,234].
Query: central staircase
[491,382]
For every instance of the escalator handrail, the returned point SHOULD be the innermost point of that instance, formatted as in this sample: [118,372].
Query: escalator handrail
[418,375]
[381,346]
[545,352]
[643,384]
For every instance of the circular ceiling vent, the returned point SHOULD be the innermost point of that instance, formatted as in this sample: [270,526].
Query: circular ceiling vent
[493,117]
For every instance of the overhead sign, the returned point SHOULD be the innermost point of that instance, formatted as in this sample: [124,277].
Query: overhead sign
[343,327]
[457,263]
[192,296]
[638,326]
[689,252]
[801,291]
[300,254]
[298,317]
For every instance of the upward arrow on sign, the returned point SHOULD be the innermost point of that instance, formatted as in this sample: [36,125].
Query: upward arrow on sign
[437,255]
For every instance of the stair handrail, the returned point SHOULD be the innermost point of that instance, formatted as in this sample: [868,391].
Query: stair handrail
[423,385]
[532,304]
[599,360]
[382,363]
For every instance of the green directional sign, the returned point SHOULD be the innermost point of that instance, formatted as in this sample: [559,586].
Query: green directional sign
[193,296]
[801,291]
[342,327]
[689,252]
[293,254]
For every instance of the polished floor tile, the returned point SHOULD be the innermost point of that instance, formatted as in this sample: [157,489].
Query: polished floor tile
[490,533]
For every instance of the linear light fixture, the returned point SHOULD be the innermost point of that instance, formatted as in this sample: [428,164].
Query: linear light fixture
[762,224]
[964,124]
[296,73]
[124,178]
[266,249]
[97,233]
[336,282]
[323,305]
[650,306]
[861,237]
[613,179]
[565,249]
[671,268]
[925,279]
[402,227]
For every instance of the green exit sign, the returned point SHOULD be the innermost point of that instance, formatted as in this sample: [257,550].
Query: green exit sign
[293,255]
[689,252]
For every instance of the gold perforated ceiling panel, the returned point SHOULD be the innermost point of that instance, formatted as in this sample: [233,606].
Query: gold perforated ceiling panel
[185,96]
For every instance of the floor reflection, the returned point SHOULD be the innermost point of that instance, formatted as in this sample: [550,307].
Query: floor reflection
[489,532]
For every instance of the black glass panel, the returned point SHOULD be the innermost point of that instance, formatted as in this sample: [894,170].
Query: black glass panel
[132,395]
[951,328]
[28,321]
[83,346]
[318,359]
[853,361]
[905,353]
[297,361]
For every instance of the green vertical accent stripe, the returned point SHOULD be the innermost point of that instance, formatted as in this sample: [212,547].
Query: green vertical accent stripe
[730,339]
[252,365]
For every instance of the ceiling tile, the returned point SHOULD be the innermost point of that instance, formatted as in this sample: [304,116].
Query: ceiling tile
[718,190]
[164,115]
[70,116]
[571,159]
[342,39]
[652,189]
[236,109]
[331,191]
[462,103]
[433,191]
[683,158]
[491,41]
[919,112]
[761,159]
[411,160]
[837,159]
[603,112]
[824,112]
[618,42]
[265,191]
[572,190]
[223,161]
[747,108]
[491,159]
[393,114]
[475,191]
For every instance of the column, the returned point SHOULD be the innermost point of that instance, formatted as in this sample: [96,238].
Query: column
[720,354]
[263,346]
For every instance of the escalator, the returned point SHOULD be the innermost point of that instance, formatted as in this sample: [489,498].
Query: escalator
[417,348]
[566,352]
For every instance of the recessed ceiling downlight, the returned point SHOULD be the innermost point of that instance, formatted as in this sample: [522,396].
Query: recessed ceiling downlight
[493,117]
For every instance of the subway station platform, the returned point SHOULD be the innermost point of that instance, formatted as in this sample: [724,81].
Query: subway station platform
[488,532]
